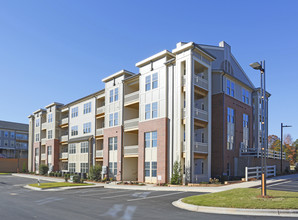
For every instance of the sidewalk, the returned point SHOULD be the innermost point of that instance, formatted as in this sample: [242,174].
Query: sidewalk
[172,188]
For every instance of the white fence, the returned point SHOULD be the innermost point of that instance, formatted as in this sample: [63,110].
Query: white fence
[257,152]
[256,172]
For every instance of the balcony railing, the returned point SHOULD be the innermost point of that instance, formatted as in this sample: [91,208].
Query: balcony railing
[99,131]
[64,138]
[201,114]
[200,82]
[257,152]
[99,153]
[100,110]
[64,121]
[44,126]
[64,155]
[43,156]
[131,98]
[200,147]
[43,141]
[131,124]
[131,150]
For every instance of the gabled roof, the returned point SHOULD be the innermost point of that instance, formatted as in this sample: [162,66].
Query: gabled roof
[14,126]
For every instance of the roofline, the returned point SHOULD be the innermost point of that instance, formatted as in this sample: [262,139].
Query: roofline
[119,73]
[83,98]
[54,103]
[39,110]
[131,77]
[154,57]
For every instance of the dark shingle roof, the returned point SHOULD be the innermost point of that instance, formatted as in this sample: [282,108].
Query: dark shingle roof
[14,126]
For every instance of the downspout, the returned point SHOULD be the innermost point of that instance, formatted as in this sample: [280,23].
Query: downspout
[223,122]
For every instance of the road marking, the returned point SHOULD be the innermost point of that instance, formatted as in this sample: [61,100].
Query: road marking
[169,194]
[275,184]
[13,194]
[141,195]
[110,192]
[115,196]
[117,209]
[284,189]
[48,200]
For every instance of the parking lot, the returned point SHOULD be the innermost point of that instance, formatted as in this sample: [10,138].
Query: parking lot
[94,203]
[288,185]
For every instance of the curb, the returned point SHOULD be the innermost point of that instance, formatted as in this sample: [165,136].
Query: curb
[61,188]
[236,211]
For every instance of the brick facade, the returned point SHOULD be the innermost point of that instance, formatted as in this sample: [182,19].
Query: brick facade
[55,153]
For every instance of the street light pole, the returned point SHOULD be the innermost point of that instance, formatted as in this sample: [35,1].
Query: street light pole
[281,141]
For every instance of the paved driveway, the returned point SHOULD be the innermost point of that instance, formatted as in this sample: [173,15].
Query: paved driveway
[17,202]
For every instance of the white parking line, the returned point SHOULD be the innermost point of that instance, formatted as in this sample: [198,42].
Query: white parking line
[110,192]
[169,194]
[115,196]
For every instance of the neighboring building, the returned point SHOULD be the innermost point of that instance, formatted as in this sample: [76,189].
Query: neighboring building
[13,140]
[192,105]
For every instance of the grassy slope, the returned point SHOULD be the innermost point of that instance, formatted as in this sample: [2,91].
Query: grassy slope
[247,198]
[61,184]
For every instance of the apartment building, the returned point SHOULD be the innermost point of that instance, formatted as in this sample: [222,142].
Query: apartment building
[193,105]
[13,140]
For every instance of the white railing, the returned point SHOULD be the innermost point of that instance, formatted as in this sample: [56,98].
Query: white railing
[201,114]
[131,150]
[257,152]
[183,80]
[43,156]
[99,153]
[64,138]
[64,155]
[100,110]
[64,121]
[256,172]
[132,97]
[99,131]
[183,146]
[43,141]
[199,81]
[200,147]
[44,126]
[131,124]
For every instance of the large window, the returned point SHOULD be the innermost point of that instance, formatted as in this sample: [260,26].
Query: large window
[111,95]
[21,136]
[113,141]
[231,128]
[111,116]
[147,169]
[154,81]
[37,137]
[74,130]
[6,134]
[231,117]
[154,110]
[151,169]
[11,134]
[113,168]
[74,112]
[148,83]
[87,128]
[50,134]
[151,110]
[116,122]
[84,167]
[50,118]
[87,107]
[72,167]
[230,88]
[113,119]
[116,95]
[151,84]
[245,96]
[150,139]
[49,150]
[37,122]
[72,148]
[84,147]
[245,120]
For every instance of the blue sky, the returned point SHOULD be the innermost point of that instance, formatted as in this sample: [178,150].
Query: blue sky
[60,50]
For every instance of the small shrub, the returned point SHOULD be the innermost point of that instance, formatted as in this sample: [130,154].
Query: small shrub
[76,179]
[214,181]
[43,169]
[104,179]
[95,173]
[177,177]
[59,174]
[24,169]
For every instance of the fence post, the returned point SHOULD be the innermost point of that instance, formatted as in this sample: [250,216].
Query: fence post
[246,174]
[274,170]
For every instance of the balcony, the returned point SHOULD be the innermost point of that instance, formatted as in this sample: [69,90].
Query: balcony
[64,138]
[201,114]
[132,124]
[131,150]
[64,121]
[43,156]
[183,146]
[43,141]
[200,82]
[99,153]
[200,147]
[99,132]
[100,110]
[44,126]
[131,98]
[64,155]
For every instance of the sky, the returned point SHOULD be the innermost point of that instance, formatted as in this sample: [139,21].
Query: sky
[59,51]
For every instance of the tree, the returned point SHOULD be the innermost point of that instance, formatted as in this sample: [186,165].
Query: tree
[290,149]
[95,173]
[274,142]
[177,177]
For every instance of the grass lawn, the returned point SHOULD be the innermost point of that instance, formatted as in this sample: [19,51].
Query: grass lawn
[55,185]
[246,198]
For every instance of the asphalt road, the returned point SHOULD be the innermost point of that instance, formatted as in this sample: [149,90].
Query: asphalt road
[288,185]
[19,203]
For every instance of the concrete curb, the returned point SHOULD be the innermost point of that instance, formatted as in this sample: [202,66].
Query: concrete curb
[236,211]
[61,188]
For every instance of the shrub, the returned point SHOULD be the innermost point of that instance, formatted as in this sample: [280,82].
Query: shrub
[66,177]
[95,173]
[59,174]
[177,177]
[43,169]
[76,179]
[24,169]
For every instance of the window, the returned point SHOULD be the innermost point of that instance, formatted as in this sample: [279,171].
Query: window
[231,118]
[49,150]
[50,118]
[154,110]
[148,83]
[50,134]
[87,108]
[87,128]
[72,167]
[84,147]
[37,137]
[111,95]
[230,131]
[150,139]
[74,130]
[147,111]
[147,169]
[113,168]
[11,134]
[203,137]
[111,120]
[74,112]
[11,143]
[116,95]
[72,148]
[154,169]
[37,122]
[6,143]
[115,118]
[245,120]
[6,134]
[21,137]
[84,167]
[243,95]
[154,81]
[112,141]
[230,88]
[36,151]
